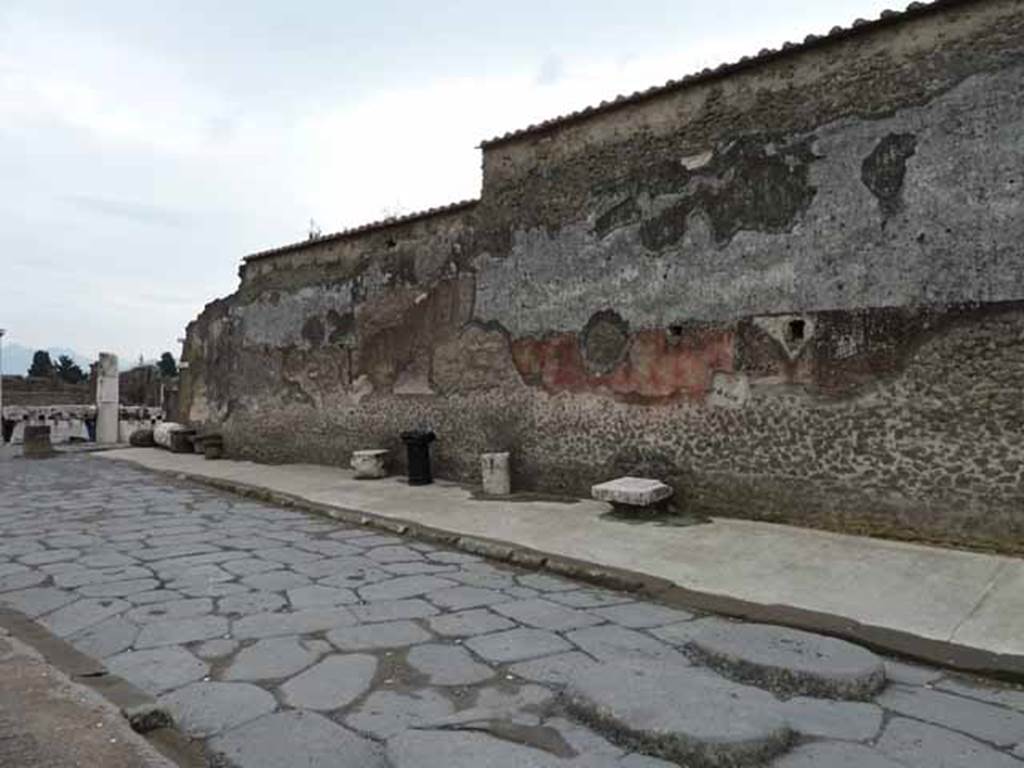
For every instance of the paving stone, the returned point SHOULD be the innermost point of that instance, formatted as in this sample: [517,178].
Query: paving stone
[36,601]
[329,548]
[920,745]
[250,602]
[297,738]
[44,556]
[208,708]
[347,575]
[559,669]
[386,713]
[517,645]
[642,615]
[610,642]
[271,659]
[252,566]
[177,550]
[275,581]
[393,610]
[545,583]
[833,754]
[522,593]
[80,578]
[287,555]
[72,540]
[453,749]
[447,665]
[106,560]
[465,623]
[458,598]
[585,741]
[216,649]
[544,614]
[177,631]
[785,660]
[153,596]
[80,614]
[250,542]
[401,587]
[172,609]
[106,638]
[1003,696]
[379,540]
[22,580]
[333,683]
[411,569]
[216,589]
[680,713]
[588,598]
[389,634]
[846,720]
[118,588]
[291,622]
[158,670]
[316,596]
[911,674]
[397,554]
[1003,727]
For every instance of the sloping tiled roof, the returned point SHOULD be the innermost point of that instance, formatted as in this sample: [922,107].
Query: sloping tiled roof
[363,229]
[858,27]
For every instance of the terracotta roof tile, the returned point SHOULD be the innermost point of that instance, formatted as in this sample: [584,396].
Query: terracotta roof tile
[363,229]
[764,55]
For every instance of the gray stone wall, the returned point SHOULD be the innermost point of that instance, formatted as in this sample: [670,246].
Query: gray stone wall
[794,290]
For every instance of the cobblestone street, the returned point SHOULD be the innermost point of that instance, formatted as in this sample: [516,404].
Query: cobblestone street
[282,638]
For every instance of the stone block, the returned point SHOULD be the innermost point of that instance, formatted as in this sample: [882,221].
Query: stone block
[787,661]
[36,441]
[370,464]
[634,492]
[494,472]
[687,715]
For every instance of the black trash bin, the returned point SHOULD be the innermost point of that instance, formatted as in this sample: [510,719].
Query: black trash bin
[417,447]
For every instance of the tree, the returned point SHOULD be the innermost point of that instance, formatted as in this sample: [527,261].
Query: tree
[68,370]
[42,365]
[168,367]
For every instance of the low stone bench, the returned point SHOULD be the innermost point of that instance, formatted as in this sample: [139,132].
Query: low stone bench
[370,464]
[633,495]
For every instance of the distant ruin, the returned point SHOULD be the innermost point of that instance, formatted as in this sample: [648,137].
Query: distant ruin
[791,287]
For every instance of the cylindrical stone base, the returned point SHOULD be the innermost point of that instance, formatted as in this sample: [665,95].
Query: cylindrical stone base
[494,468]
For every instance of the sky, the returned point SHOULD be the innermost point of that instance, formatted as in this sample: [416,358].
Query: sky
[147,146]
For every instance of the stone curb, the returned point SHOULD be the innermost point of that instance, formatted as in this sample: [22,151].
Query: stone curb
[140,709]
[1008,667]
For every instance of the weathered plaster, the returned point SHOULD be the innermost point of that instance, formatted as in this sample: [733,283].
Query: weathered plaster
[795,293]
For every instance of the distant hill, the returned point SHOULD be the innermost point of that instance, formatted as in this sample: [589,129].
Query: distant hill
[18,358]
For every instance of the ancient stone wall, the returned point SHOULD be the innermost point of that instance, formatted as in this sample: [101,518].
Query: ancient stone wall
[793,288]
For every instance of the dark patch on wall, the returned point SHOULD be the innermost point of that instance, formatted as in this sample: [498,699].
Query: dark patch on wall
[340,326]
[604,341]
[752,184]
[313,330]
[884,170]
[399,269]
[620,215]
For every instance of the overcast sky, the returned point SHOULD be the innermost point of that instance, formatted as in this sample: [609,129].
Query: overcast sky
[147,146]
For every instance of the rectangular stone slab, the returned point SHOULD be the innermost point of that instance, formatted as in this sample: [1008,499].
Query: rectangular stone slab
[632,491]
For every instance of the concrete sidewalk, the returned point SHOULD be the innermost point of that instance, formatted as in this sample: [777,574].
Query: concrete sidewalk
[961,609]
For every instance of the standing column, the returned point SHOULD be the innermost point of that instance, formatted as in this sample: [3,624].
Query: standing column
[107,405]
